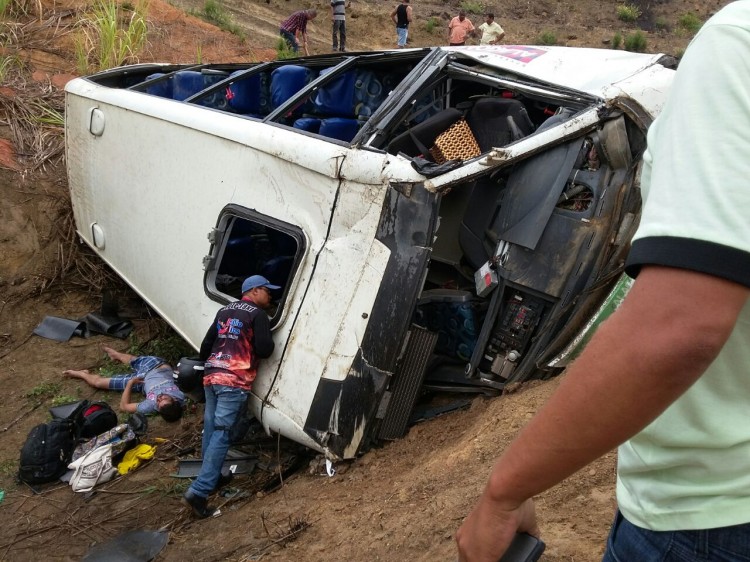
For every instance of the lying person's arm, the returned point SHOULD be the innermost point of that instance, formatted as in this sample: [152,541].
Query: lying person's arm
[125,404]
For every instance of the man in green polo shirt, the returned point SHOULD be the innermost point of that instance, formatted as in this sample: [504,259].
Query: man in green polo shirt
[668,375]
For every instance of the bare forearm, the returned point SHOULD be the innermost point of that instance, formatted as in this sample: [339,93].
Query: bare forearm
[125,404]
[618,386]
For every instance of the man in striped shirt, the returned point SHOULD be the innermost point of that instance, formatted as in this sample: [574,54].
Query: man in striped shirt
[338,15]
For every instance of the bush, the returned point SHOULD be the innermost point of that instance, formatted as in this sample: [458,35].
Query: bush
[431,24]
[661,24]
[109,38]
[690,22]
[214,13]
[628,12]
[283,51]
[546,38]
[635,42]
[617,40]
[472,7]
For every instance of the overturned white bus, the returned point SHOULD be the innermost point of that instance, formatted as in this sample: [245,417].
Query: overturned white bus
[446,218]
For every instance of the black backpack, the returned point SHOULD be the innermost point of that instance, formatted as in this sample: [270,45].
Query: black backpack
[47,451]
[97,418]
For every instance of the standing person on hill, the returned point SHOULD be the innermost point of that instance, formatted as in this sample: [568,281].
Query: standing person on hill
[667,376]
[402,16]
[492,33]
[238,338]
[459,28]
[338,15]
[294,28]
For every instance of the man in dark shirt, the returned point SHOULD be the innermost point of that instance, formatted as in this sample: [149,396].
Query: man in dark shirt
[296,25]
[238,338]
[401,16]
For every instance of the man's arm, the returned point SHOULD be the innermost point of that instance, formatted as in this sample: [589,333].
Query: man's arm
[652,349]
[125,404]
[408,14]
[393,15]
[208,341]
[262,340]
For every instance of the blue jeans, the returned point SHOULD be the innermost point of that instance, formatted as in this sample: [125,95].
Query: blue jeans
[402,34]
[290,39]
[223,406]
[628,543]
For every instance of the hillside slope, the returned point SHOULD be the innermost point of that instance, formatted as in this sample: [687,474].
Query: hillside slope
[402,501]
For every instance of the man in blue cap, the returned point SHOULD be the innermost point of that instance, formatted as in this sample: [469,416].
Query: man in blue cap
[238,338]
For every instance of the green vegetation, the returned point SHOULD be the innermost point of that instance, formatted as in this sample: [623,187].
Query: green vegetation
[546,38]
[283,50]
[617,40]
[215,13]
[661,24]
[169,346]
[47,115]
[472,7]
[628,12]
[635,42]
[108,38]
[14,8]
[8,468]
[50,391]
[44,390]
[7,64]
[111,368]
[690,22]
[61,399]
[432,24]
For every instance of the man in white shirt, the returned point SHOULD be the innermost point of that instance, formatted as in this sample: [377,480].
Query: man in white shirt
[492,33]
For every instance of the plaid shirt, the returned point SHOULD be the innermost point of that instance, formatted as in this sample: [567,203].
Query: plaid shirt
[296,22]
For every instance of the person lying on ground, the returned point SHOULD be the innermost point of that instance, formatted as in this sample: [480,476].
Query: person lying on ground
[150,375]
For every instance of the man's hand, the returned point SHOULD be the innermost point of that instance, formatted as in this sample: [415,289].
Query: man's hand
[125,404]
[489,529]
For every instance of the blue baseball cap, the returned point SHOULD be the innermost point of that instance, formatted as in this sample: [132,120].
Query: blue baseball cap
[255,281]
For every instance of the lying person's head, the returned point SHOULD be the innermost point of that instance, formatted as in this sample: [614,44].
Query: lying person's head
[168,407]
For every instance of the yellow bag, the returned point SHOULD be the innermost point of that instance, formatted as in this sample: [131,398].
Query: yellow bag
[134,457]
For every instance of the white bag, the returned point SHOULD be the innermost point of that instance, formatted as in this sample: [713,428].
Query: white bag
[95,467]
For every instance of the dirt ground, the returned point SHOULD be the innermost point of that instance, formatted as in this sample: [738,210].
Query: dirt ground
[401,501]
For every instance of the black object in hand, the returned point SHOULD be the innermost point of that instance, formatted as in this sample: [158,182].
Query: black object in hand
[524,548]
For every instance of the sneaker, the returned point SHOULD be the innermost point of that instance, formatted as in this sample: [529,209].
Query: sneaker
[197,504]
[342,50]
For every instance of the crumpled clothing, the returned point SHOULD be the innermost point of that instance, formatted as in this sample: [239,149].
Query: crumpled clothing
[135,457]
[95,467]
[119,437]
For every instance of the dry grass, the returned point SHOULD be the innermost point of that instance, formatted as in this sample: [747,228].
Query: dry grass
[33,111]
